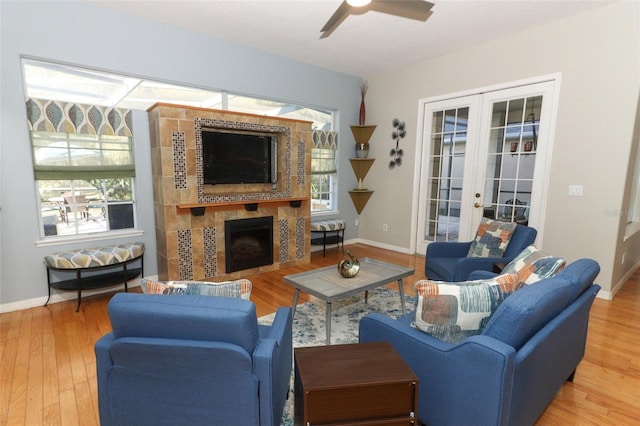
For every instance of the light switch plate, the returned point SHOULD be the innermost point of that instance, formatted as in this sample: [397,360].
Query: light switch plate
[576,190]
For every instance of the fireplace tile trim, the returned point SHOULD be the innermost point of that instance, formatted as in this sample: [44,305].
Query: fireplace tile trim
[185,252]
[210,251]
[300,237]
[284,240]
[301,155]
[179,160]
[200,122]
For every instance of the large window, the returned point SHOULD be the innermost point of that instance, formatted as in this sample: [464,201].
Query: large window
[83,166]
[323,171]
[104,201]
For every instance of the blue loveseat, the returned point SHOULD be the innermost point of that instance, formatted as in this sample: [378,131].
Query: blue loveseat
[509,373]
[192,360]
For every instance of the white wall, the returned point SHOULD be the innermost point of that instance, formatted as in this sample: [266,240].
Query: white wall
[598,57]
[88,35]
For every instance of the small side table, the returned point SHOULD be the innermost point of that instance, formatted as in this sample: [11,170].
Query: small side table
[355,384]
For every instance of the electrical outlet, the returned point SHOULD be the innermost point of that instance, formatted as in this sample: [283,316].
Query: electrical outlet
[385,227]
[356,222]
[623,257]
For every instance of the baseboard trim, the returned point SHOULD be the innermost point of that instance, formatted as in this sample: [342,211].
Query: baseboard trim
[609,295]
[403,250]
[63,296]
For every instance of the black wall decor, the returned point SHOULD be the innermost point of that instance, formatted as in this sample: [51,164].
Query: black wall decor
[398,133]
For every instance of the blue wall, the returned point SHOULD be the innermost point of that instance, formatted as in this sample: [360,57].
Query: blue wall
[85,34]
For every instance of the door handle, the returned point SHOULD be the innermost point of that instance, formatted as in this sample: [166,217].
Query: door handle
[477,205]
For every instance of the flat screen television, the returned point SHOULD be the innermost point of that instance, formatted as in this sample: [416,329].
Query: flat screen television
[236,157]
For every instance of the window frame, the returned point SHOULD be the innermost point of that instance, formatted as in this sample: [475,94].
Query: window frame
[324,162]
[329,170]
[81,144]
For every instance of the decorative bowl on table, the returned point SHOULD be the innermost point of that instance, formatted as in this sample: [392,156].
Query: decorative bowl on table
[349,268]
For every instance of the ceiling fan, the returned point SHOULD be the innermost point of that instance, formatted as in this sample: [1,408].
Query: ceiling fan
[413,9]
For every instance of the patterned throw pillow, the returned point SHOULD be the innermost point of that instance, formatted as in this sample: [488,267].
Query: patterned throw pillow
[454,311]
[239,288]
[533,265]
[492,238]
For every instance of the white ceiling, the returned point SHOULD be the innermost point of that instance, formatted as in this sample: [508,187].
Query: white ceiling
[363,45]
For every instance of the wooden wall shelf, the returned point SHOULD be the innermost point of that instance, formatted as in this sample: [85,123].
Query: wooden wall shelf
[360,198]
[362,134]
[253,205]
[361,166]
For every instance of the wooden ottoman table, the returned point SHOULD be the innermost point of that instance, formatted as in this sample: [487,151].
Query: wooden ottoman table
[356,384]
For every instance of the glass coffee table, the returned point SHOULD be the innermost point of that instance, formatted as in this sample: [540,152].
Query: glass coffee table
[328,285]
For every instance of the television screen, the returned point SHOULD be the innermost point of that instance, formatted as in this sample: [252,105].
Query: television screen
[237,157]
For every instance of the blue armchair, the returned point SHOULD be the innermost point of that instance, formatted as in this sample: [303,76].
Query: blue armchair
[192,360]
[448,261]
[508,374]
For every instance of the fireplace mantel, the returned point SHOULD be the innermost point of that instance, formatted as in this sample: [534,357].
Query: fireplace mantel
[190,216]
[252,205]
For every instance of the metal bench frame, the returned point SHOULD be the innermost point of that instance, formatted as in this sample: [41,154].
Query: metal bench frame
[92,282]
[335,236]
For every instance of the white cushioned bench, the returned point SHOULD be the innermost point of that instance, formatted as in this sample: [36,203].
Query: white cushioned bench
[334,227]
[94,259]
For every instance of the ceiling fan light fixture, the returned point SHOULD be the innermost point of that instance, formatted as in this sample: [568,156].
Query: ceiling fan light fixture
[358,3]
[412,9]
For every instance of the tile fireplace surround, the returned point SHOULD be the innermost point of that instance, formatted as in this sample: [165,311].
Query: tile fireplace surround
[190,216]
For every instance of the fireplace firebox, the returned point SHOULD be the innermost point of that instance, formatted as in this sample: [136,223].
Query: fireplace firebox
[248,243]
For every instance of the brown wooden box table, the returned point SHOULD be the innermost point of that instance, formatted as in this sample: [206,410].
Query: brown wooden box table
[355,384]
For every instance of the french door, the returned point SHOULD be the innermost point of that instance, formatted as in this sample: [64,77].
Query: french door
[484,155]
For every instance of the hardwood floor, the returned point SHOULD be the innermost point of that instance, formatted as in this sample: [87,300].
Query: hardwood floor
[47,374]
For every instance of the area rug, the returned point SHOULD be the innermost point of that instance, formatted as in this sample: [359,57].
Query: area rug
[309,323]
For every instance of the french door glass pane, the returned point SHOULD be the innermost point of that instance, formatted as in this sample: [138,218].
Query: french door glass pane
[511,158]
[447,159]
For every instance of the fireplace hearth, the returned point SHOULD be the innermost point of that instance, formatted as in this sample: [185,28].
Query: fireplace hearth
[248,243]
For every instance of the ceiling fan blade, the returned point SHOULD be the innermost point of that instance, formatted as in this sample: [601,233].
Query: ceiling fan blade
[413,9]
[336,19]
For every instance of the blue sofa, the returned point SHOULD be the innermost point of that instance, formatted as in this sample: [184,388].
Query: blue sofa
[192,360]
[508,374]
[448,261]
